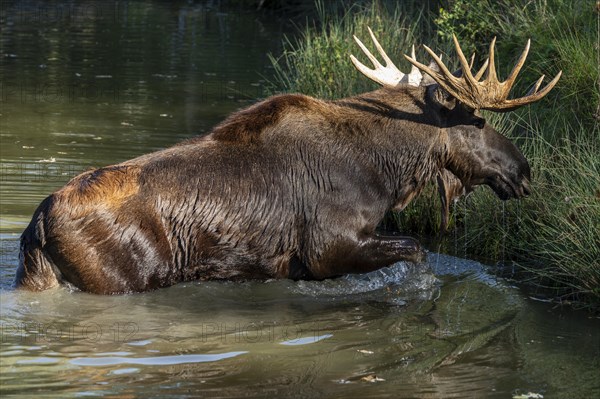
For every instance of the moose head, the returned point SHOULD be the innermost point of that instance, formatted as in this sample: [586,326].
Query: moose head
[476,153]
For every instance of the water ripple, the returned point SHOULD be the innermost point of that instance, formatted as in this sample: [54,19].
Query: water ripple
[154,361]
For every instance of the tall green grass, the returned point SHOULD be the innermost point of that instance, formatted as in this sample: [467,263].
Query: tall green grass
[318,62]
[553,237]
[554,234]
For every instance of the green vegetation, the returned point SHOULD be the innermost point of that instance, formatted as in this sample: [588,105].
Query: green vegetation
[552,237]
[318,63]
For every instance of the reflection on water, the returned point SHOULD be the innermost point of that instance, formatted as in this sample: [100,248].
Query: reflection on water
[399,331]
[87,84]
[93,83]
[149,361]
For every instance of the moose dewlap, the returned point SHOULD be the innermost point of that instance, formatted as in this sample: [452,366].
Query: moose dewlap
[291,187]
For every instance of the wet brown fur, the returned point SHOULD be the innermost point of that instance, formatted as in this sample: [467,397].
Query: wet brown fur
[108,187]
[248,125]
[291,187]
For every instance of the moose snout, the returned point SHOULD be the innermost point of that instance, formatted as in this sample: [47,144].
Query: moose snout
[525,188]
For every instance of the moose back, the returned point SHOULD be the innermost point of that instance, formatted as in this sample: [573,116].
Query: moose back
[291,187]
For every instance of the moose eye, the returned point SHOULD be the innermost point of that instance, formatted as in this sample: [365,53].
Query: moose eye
[479,123]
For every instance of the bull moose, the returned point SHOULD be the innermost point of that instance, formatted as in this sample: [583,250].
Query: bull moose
[291,187]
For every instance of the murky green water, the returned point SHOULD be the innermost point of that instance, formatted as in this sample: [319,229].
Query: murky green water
[87,84]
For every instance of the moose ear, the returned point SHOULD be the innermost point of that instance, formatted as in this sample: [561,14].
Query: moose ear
[441,96]
[452,110]
[427,79]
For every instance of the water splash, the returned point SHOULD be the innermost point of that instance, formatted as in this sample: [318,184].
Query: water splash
[413,281]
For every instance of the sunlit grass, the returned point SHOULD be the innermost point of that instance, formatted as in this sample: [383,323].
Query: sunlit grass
[555,233]
[318,62]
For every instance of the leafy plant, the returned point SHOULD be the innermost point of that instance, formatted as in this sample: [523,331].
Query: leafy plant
[468,20]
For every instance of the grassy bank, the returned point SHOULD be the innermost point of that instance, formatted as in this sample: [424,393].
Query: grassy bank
[553,237]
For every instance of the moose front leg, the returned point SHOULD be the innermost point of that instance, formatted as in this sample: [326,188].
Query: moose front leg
[367,254]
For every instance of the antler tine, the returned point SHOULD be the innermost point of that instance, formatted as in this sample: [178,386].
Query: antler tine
[413,55]
[483,68]
[444,77]
[509,105]
[536,86]
[479,73]
[548,87]
[472,61]
[446,74]
[490,93]
[373,74]
[371,57]
[466,68]
[491,71]
[415,76]
[387,60]
[388,75]
[517,68]
[423,67]
[365,70]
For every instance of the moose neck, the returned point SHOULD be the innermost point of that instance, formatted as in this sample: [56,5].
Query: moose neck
[404,138]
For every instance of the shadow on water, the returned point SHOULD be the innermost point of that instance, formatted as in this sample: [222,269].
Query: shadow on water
[92,83]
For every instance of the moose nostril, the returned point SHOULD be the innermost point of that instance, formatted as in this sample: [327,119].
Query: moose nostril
[526,189]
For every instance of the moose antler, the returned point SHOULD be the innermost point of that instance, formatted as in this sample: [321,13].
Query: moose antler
[489,93]
[388,75]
